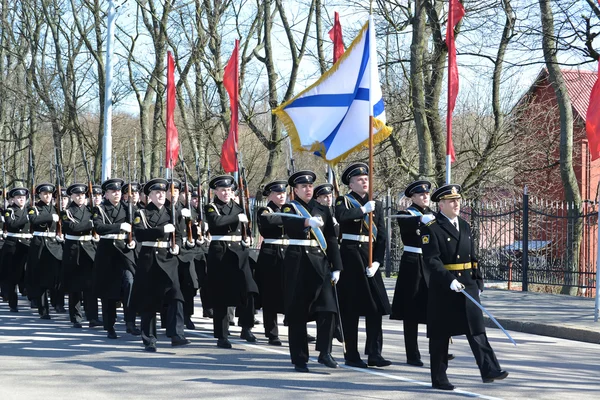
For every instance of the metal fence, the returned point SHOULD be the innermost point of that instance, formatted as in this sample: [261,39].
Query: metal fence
[526,241]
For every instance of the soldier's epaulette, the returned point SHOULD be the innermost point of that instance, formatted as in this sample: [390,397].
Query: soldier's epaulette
[431,222]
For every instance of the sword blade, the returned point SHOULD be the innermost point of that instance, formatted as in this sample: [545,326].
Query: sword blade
[280,214]
[482,308]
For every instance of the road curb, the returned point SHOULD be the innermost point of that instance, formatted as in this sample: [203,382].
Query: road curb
[535,328]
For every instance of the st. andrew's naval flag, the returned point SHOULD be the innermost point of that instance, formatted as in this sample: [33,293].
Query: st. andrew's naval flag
[331,117]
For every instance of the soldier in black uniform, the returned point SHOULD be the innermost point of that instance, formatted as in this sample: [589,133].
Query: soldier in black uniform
[16,245]
[115,257]
[410,295]
[362,292]
[202,238]
[45,255]
[97,196]
[269,267]
[57,293]
[312,268]
[229,279]
[449,256]
[78,257]
[156,280]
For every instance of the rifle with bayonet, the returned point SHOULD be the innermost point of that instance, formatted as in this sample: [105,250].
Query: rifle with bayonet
[188,222]
[90,188]
[32,191]
[200,207]
[244,201]
[4,202]
[292,167]
[129,200]
[173,215]
[58,195]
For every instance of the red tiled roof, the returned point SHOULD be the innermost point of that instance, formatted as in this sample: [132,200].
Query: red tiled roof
[579,86]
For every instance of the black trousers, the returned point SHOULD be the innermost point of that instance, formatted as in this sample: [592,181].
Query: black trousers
[174,323]
[57,297]
[91,306]
[299,342]
[109,306]
[221,319]
[188,301]
[482,351]
[270,323]
[9,290]
[374,341]
[411,333]
[44,304]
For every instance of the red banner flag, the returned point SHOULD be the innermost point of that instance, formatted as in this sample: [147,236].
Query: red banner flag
[172,152]
[592,120]
[335,34]
[455,13]
[231,83]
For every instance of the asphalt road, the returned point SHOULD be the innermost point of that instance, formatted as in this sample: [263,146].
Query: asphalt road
[51,360]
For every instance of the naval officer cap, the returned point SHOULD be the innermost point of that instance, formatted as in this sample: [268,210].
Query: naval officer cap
[222,181]
[113,184]
[278,186]
[325,188]
[77,188]
[355,169]
[301,177]
[156,184]
[447,192]
[63,192]
[18,191]
[135,187]
[417,187]
[44,187]
[96,189]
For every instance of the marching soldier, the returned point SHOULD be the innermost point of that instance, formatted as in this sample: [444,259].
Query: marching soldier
[57,293]
[202,238]
[229,279]
[269,267]
[312,268]
[410,295]
[96,198]
[324,196]
[362,292]
[449,256]
[16,245]
[45,255]
[115,258]
[157,280]
[78,257]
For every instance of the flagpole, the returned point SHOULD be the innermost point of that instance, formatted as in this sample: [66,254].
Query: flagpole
[371,182]
[107,134]
[449,110]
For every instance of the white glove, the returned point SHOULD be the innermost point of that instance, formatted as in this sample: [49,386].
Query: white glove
[205,227]
[456,286]
[3,235]
[315,222]
[247,242]
[242,218]
[200,242]
[335,277]
[95,238]
[335,222]
[190,245]
[426,218]
[369,207]
[480,293]
[125,226]
[169,228]
[373,269]
[55,217]
[131,245]
[186,213]
[60,238]
[174,250]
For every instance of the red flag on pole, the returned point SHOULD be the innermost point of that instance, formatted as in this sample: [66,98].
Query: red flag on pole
[335,34]
[592,120]
[231,83]
[172,152]
[455,13]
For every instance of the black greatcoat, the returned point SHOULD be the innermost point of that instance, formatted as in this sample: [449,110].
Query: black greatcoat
[269,267]
[410,295]
[78,256]
[450,313]
[156,280]
[15,250]
[229,277]
[201,249]
[112,256]
[307,271]
[364,295]
[187,267]
[44,264]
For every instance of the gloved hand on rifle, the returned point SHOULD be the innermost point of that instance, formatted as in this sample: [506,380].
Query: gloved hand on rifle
[372,269]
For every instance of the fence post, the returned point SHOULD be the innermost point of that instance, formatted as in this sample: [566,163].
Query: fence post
[525,246]
[388,229]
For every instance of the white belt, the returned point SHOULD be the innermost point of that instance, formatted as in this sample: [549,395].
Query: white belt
[277,241]
[227,238]
[19,235]
[411,249]
[356,238]
[83,238]
[304,242]
[45,234]
[114,236]
[162,245]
